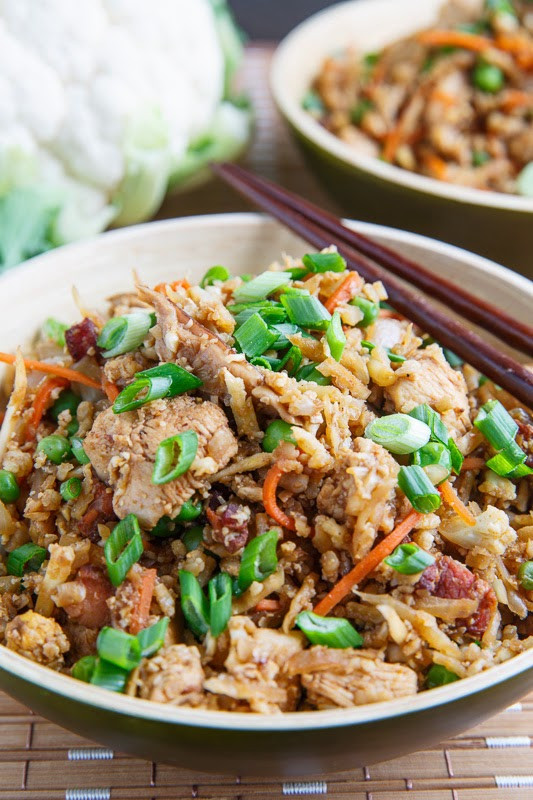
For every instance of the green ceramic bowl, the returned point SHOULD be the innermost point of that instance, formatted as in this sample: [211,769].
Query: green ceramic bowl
[497,225]
[291,744]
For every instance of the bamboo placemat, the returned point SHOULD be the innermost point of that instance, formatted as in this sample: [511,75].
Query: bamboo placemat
[39,761]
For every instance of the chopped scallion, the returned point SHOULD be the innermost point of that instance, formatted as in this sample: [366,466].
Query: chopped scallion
[151,639]
[254,336]
[220,595]
[394,357]
[425,413]
[108,676]
[26,558]
[438,675]
[260,287]
[84,667]
[310,373]
[189,511]
[193,537]
[194,604]
[67,401]
[70,489]
[306,311]
[277,431]
[290,361]
[180,379]
[398,433]
[123,549]
[118,648]
[174,456]
[496,424]
[329,631]
[418,489]
[369,310]
[456,456]
[258,560]
[508,460]
[336,337]
[324,262]
[55,331]
[409,559]
[436,461]
[141,392]
[122,334]
[78,451]
[217,273]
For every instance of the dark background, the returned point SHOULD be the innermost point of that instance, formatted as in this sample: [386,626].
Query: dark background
[272,19]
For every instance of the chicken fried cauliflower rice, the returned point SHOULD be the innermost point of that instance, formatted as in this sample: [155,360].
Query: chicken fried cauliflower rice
[261,494]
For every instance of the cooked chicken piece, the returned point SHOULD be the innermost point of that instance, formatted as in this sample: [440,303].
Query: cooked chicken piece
[90,610]
[256,667]
[349,677]
[174,676]
[428,378]
[362,486]
[122,450]
[37,637]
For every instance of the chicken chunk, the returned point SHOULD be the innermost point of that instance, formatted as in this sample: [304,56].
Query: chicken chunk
[122,449]
[37,637]
[256,668]
[174,676]
[344,678]
[428,378]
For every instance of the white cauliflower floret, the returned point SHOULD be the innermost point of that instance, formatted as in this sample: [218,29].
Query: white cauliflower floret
[491,533]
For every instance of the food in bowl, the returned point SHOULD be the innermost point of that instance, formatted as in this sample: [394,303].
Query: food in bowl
[453,102]
[261,494]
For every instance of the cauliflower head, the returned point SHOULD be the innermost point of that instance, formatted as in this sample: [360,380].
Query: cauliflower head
[104,106]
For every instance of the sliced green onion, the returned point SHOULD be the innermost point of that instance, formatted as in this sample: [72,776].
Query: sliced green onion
[456,456]
[55,331]
[151,639]
[488,77]
[194,604]
[217,273]
[520,471]
[180,379]
[141,392]
[306,311]
[329,631]
[284,329]
[398,433]
[436,461]
[496,424]
[324,262]
[508,460]
[266,362]
[524,182]
[258,560]
[109,676]
[439,676]
[73,427]
[193,537]
[56,448]
[257,305]
[409,559]
[260,287]
[123,334]
[272,315]
[220,594]
[67,401]
[479,157]
[293,357]
[312,102]
[174,456]
[277,431]
[335,337]
[123,549]
[78,451]
[118,648]
[418,489]
[310,373]
[525,576]
[452,359]
[425,413]
[297,273]
[26,558]
[70,489]
[360,109]
[296,290]
[189,511]
[9,488]
[254,336]
[165,527]
[394,357]
[83,669]
[369,310]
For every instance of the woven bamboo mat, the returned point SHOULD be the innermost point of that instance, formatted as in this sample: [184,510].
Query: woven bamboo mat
[39,761]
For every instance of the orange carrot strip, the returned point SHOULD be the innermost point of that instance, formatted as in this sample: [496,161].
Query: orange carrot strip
[141,611]
[518,46]
[268,605]
[372,560]
[440,96]
[52,369]
[111,391]
[450,497]
[472,462]
[388,313]
[444,38]
[436,165]
[183,282]
[270,503]
[514,98]
[344,292]
[393,140]
[41,402]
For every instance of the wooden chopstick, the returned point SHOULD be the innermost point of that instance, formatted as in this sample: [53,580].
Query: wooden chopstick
[513,332]
[450,333]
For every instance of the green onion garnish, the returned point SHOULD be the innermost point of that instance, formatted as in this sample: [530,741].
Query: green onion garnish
[306,311]
[409,559]
[123,549]
[26,558]
[525,576]
[425,413]
[436,461]
[369,310]
[217,273]
[109,676]
[84,668]
[55,331]
[260,287]
[258,560]
[452,359]
[56,448]
[272,314]
[254,336]
[496,424]
[329,631]
[310,373]
[439,676]
[394,357]
[193,537]
[418,489]
[520,471]
[266,362]
[312,102]
[297,273]
[141,392]
[122,334]
[67,401]
[398,433]
[70,489]
[194,604]
[257,305]
[290,361]
[335,337]
[165,527]
[118,648]
[284,329]
[151,639]
[189,511]
[180,379]
[456,456]
[324,262]
[174,456]
[78,452]
[506,462]
[358,111]
[220,593]
[9,488]
[479,157]
[277,431]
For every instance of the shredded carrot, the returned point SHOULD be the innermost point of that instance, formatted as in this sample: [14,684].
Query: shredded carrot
[450,497]
[514,98]
[53,369]
[393,140]
[388,313]
[214,519]
[472,462]
[372,560]
[440,96]
[268,605]
[444,38]
[270,503]
[141,610]
[436,166]
[110,389]
[41,402]
[344,292]
[183,282]
[518,46]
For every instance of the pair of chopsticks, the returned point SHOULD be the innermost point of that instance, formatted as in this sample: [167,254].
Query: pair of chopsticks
[374,262]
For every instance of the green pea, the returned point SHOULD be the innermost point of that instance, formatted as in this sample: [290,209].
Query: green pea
[9,488]
[525,576]
[56,448]
[67,401]
[488,77]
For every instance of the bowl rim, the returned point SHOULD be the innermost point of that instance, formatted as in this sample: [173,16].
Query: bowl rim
[310,128]
[69,688]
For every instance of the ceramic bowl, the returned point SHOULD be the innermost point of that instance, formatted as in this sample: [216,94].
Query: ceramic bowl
[497,225]
[290,744]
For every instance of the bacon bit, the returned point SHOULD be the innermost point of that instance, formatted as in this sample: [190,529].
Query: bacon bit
[450,497]
[93,611]
[268,605]
[344,292]
[81,338]
[141,611]
[109,388]
[52,369]
[99,511]
[182,282]
[41,402]
[270,503]
[472,462]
